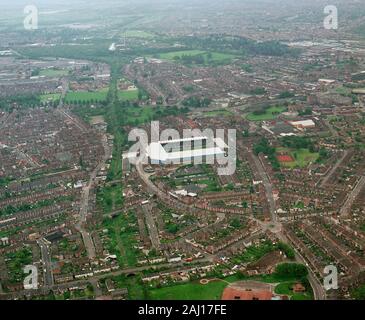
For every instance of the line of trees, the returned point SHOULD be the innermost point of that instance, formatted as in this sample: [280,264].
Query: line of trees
[196,102]
[236,44]
[8,104]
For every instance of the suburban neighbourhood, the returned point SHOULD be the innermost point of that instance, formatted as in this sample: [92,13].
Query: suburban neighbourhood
[101,219]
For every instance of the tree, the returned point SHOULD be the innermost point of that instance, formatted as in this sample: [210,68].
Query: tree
[172,228]
[196,102]
[306,112]
[235,223]
[359,293]
[289,251]
[295,142]
[286,94]
[258,91]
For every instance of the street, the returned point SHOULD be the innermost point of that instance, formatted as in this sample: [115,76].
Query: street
[47,263]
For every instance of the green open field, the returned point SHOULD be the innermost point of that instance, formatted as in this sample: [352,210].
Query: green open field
[343,91]
[110,198]
[302,157]
[193,290]
[209,57]
[51,97]
[221,57]
[139,115]
[190,291]
[217,113]
[53,72]
[138,34]
[122,232]
[115,170]
[270,114]
[86,96]
[173,54]
[99,96]
[214,289]
[131,115]
[130,95]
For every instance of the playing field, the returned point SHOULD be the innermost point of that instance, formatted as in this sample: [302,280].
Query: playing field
[193,290]
[138,34]
[53,72]
[130,95]
[270,114]
[214,289]
[301,157]
[285,158]
[209,57]
[174,54]
[217,113]
[86,96]
[139,115]
[99,96]
[221,57]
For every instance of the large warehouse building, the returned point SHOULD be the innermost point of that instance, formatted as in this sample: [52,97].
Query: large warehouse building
[187,150]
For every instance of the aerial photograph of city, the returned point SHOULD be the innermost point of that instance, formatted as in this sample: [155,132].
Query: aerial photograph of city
[184,150]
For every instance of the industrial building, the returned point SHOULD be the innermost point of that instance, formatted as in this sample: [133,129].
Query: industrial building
[186,150]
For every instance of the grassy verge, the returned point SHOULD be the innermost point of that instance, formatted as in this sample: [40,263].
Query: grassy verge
[269,114]
[122,232]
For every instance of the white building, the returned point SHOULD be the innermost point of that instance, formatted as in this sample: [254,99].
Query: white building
[186,150]
[304,124]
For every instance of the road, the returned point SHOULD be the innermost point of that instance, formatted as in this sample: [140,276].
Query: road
[153,189]
[267,185]
[151,226]
[76,122]
[85,194]
[23,156]
[84,208]
[319,292]
[334,169]
[47,263]
[84,202]
[346,208]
